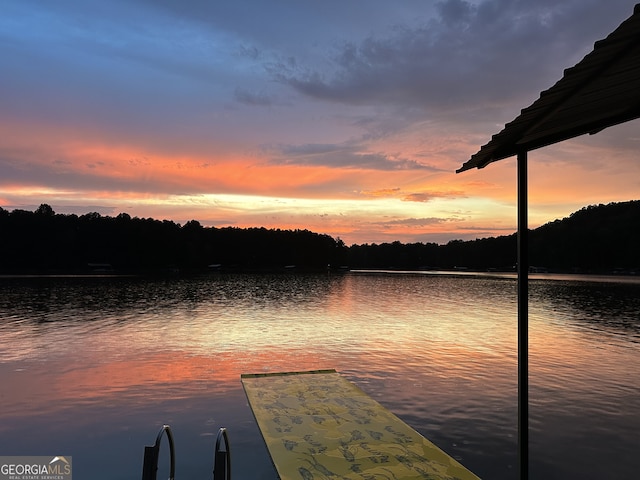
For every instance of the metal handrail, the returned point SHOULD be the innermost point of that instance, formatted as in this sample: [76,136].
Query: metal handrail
[151,454]
[222,457]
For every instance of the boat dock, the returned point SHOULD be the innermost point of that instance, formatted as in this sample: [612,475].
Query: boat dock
[318,425]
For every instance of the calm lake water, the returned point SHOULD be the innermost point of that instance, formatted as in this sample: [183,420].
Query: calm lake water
[92,367]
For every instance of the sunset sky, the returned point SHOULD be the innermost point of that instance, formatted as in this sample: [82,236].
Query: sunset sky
[342,117]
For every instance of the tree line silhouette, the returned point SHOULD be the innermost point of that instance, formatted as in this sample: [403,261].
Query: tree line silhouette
[597,238]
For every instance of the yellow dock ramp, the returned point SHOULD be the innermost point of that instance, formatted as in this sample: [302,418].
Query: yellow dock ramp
[317,425]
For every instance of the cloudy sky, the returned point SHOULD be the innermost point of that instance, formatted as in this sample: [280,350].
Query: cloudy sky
[342,117]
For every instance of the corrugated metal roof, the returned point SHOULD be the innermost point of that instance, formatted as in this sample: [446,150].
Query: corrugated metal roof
[602,90]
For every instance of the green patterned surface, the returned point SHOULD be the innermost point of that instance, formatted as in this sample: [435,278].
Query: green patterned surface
[317,425]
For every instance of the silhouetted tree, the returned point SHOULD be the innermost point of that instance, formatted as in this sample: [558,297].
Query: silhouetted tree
[45,210]
[599,238]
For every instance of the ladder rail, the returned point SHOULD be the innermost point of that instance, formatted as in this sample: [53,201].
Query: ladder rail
[151,454]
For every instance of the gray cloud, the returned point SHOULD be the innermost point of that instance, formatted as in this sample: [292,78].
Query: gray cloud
[344,156]
[497,50]
[140,65]
[252,98]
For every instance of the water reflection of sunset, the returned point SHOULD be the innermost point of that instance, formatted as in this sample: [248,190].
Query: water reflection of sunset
[130,379]
[558,358]
[121,356]
[45,388]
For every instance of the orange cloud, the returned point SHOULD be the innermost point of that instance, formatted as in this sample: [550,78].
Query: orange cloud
[74,168]
[384,192]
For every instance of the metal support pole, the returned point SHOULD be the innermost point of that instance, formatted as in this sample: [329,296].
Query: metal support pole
[523,319]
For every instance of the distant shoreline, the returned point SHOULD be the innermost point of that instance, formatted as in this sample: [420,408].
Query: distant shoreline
[552,276]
